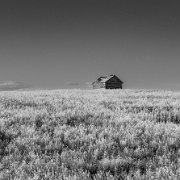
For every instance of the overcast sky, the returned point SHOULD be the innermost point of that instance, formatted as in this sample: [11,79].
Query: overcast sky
[66,44]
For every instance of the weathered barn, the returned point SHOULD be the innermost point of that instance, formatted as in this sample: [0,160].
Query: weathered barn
[109,82]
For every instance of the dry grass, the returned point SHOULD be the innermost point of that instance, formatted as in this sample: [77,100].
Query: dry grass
[90,134]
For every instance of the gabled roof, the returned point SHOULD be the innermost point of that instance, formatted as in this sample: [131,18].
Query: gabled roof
[104,79]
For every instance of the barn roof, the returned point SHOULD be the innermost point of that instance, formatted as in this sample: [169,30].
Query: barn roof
[105,78]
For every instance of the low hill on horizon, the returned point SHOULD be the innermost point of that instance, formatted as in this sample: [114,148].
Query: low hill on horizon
[11,85]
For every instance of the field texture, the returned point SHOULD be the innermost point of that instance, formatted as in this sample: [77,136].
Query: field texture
[90,134]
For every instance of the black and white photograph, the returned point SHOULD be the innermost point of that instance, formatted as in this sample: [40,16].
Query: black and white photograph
[89,90]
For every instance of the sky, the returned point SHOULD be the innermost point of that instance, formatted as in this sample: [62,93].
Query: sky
[68,43]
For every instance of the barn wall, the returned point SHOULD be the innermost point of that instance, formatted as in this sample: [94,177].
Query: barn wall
[113,83]
[98,85]
[110,85]
[114,80]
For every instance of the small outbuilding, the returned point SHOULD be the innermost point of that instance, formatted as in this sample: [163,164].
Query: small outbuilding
[108,82]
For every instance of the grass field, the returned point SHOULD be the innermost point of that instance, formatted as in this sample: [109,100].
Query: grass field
[90,134]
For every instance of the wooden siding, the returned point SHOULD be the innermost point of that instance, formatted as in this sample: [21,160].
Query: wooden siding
[113,86]
[98,85]
[114,79]
[114,83]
